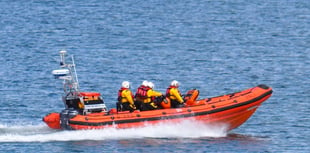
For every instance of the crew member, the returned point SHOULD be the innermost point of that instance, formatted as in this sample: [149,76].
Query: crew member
[148,102]
[141,94]
[174,95]
[125,98]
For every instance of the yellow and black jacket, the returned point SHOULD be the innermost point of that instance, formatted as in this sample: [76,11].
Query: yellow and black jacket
[173,93]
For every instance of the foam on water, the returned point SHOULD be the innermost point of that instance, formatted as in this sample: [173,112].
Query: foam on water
[41,133]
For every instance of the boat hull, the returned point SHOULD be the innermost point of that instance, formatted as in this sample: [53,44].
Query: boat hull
[231,110]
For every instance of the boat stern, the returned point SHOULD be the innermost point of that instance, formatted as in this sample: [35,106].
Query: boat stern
[52,120]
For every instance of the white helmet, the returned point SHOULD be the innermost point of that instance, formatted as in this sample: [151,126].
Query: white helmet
[150,84]
[145,83]
[174,83]
[125,84]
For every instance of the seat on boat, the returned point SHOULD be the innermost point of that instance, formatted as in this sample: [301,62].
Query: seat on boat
[191,97]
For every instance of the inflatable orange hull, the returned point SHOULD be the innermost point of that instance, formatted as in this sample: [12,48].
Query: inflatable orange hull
[231,110]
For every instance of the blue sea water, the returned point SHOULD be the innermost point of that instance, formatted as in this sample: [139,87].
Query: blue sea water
[217,47]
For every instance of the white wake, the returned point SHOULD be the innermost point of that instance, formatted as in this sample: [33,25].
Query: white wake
[41,133]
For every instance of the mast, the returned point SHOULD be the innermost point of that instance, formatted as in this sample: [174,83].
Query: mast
[74,99]
[68,74]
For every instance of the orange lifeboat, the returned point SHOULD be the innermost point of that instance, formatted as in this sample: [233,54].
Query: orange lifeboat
[231,109]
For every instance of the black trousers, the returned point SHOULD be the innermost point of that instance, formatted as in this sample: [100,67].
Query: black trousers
[124,107]
[148,106]
[176,104]
[138,104]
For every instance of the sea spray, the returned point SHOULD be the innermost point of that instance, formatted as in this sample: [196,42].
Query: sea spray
[40,133]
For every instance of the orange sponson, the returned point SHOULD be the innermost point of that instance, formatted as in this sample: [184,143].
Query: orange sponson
[52,120]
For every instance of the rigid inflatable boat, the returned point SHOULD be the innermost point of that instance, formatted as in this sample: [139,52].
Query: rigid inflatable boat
[86,110]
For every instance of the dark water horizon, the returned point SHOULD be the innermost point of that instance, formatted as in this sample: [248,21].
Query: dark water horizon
[218,47]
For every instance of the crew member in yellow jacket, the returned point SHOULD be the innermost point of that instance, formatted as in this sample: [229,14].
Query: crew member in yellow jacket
[125,98]
[174,95]
[148,102]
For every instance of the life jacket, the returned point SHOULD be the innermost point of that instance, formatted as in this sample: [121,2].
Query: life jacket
[142,92]
[168,91]
[119,98]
